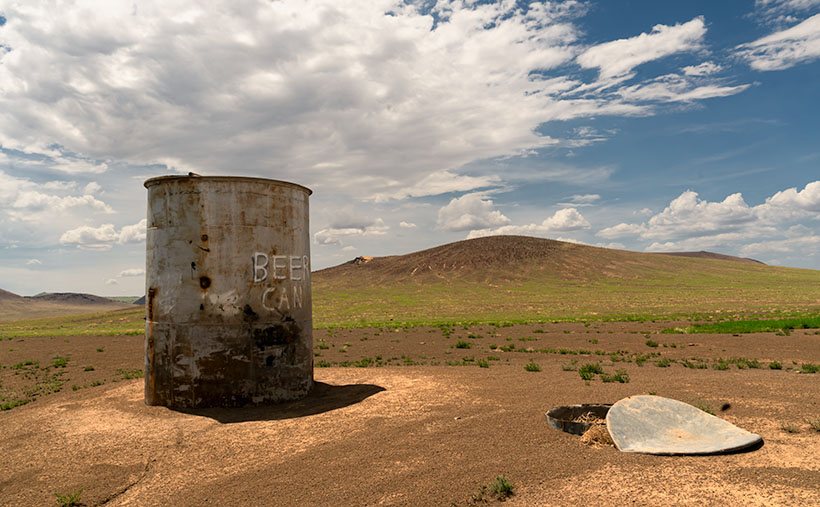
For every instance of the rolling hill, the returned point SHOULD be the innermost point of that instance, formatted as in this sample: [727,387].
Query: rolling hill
[15,307]
[525,278]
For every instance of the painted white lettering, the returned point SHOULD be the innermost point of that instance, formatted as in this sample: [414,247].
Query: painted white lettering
[297,296]
[268,291]
[295,266]
[284,303]
[306,267]
[279,264]
[260,271]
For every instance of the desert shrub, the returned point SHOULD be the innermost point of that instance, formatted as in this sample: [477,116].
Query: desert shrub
[664,362]
[619,376]
[588,370]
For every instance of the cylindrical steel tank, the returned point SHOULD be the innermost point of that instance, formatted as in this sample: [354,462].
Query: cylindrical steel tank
[228,306]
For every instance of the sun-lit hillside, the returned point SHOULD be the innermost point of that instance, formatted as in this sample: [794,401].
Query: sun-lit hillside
[524,278]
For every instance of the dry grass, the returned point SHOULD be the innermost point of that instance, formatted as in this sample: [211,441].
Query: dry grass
[597,436]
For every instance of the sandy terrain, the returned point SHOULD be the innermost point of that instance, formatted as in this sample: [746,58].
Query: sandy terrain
[426,434]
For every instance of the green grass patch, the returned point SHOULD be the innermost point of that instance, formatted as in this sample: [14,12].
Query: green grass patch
[619,376]
[118,322]
[531,366]
[809,368]
[750,326]
[588,370]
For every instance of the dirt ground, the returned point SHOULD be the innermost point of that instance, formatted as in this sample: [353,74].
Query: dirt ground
[416,430]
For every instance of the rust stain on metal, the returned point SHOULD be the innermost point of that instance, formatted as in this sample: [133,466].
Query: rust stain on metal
[242,334]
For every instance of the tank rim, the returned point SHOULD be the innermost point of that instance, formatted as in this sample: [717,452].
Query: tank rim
[163,179]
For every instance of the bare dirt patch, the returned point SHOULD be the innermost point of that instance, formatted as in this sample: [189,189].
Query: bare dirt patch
[430,426]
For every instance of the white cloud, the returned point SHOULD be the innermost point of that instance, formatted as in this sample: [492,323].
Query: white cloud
[786,48]
[621,230]
[805,245]
[676,88]
[92,188]
[334,236]
[111,281]
[33,262]
[697,243]
[691,223]
[417,91]
[470,211]
[617,58]
[60,185]
[407,225]
[133,233]
[688,215]
[441,182]
[584,199]
[349,248]
[807,199]
[132,272]
[35,214]
[703,69]
[91,238]
[104,236]
[564,220]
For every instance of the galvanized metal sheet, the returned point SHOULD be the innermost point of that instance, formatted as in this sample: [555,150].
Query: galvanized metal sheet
[658,425]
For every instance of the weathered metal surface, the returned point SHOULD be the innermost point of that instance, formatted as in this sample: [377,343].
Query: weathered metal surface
[657,425]
[564,418]
[228,308]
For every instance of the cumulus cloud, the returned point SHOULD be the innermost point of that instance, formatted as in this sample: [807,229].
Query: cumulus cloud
[104,236]
[807,199]
[621,230]
[691,223]
[33,262]
[111,281]
[171,83]
[407,225]
[564,220]
[334,236]
[132,272]
[24,200]
[786,48]
[92,188]
[470,211]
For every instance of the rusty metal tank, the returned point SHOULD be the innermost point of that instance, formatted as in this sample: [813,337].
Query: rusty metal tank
[228,306]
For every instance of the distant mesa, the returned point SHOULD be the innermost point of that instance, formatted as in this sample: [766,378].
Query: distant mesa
[711,255]
[72,298]
[9,296]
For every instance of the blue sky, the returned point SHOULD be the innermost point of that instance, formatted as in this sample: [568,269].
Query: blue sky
[639,125]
